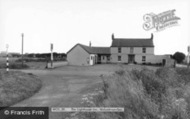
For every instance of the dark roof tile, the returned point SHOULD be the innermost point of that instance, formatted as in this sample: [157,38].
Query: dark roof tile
[96,50]
[132,42]
[93,50]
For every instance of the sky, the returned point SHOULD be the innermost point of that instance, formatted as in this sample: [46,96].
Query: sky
[68,22]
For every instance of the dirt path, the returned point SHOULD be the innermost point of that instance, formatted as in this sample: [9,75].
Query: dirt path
[61,89]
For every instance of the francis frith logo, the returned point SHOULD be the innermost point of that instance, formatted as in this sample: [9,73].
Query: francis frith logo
[160,21]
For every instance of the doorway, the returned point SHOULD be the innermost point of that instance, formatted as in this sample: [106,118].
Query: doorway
[131,58]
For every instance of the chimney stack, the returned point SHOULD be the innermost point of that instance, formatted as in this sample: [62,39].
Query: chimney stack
[152,36]
[112,36]
[90,44]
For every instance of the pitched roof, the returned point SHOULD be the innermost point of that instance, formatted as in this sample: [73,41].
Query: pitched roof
[132,42]
[93,50]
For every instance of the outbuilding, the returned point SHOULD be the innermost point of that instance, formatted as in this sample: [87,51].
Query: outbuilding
[87,55]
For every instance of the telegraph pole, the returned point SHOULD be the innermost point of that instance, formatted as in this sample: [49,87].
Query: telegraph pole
[7,64]
[22,47]
[51,45]
[188,57]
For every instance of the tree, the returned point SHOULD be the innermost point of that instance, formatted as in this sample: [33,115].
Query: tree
[179,57]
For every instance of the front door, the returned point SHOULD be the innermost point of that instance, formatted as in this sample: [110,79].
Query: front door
[92,59]
[131,58]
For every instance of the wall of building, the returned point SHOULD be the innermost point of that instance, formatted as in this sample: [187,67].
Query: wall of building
[78,56]
[153,59]
[149,50]
[104,59]
[114,58]
[137,51]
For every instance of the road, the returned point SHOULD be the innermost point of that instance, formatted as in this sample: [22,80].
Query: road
[61,88]
[64,86]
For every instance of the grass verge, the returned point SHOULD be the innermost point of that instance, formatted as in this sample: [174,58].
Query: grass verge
[144,94]
[16,86]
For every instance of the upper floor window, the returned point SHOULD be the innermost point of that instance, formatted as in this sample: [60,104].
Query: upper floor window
[131,49]
[144,50]
[119,50]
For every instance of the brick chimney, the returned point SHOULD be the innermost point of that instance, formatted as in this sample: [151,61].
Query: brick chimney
[112,36]
[90,44]
[152,36]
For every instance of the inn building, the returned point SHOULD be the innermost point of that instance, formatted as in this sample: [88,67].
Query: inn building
[122,50]
[132,50]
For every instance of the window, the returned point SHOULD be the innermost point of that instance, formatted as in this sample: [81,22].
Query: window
[143,58]
[103,57]
[119,58]
[131,50]
[144,50]
[119,50]
[108,58]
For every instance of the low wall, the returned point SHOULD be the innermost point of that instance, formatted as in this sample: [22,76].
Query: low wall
[57,64]
[159,59]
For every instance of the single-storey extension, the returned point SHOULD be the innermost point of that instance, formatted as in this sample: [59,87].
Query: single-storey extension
[87,55]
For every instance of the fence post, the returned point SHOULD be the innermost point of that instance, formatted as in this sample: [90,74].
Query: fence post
[51,55]
[7,59]
[188,57]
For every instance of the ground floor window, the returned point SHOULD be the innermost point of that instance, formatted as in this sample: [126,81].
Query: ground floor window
[108,58]
[119,58]
[143,58]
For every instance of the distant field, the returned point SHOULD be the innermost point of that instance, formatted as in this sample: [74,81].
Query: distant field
[3,59]
[17,65]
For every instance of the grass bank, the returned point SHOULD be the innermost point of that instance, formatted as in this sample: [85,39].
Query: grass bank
[16,86]
[144,94]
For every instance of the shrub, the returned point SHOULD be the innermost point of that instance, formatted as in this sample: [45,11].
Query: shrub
[15,65]
[146,94]
[184,74]
[179,57]
[121,91]
[18,66]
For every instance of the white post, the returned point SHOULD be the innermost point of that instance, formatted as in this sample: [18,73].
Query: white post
[188,56]
[7,60]
[51,55]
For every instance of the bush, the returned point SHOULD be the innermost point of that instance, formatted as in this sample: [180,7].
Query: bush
[121,91]
[184,74]
[179,57]
[18,66]
[151,83]
[15,65]
[146,94]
